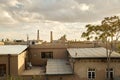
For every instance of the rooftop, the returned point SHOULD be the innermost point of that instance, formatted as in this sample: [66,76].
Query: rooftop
[36,70]
[58,66]
[90,53]
[12,49]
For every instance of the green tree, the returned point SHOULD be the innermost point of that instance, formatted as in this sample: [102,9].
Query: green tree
[91,32]
[108,31]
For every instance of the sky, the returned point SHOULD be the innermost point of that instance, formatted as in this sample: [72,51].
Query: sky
[21,17]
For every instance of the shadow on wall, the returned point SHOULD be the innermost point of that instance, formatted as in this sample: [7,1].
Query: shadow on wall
[117,78]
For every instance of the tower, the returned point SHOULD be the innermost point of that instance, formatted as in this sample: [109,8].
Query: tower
[27,39]
[51,36]
[37,35]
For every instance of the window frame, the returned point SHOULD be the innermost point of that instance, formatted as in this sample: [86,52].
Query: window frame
[47,55]
[2,69]
[111,71]
[91,71]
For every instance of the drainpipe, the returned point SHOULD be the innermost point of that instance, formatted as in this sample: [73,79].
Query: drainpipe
[8,64]
[73,65]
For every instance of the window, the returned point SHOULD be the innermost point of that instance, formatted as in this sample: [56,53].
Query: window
[91,74]
[110,73]
[46,54]
[2,69]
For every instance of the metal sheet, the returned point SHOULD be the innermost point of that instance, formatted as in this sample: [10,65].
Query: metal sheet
[90,52]
[58,66]
[12,49]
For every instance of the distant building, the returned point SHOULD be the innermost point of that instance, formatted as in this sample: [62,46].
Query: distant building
[60,60]
[34,42]
[1,43]
[16,42]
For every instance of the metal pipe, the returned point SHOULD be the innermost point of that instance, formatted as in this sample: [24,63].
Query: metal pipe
[8,64]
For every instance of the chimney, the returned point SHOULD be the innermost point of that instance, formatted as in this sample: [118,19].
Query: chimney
[27,39]
[37,35]
[51,36]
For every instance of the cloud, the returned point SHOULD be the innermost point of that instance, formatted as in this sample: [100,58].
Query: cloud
[74,10]
[59,29]
[84,7]
[5,18]
[60,10]
[60,16]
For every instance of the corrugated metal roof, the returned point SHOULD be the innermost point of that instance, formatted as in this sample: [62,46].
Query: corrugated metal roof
[12,49]
[90,53]
[58,66]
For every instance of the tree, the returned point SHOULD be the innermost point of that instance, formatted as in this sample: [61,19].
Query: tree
[2,40]
[91,32]
[108,31]
[63,38]
[113,24]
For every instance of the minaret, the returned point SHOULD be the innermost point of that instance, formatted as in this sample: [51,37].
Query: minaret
[37,35]
[51,36]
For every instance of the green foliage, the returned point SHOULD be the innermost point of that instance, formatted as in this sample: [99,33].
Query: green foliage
[34,77]
[109,29]
[14,78]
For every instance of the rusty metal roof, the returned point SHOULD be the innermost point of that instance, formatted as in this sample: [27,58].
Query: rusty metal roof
[12,49]
[58,66]
[90,53]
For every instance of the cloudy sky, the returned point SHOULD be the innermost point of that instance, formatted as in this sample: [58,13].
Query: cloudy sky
[21,17]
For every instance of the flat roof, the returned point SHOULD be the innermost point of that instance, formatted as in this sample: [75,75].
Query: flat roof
[90,53]
[35,70]
[58,66]
[12,49]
